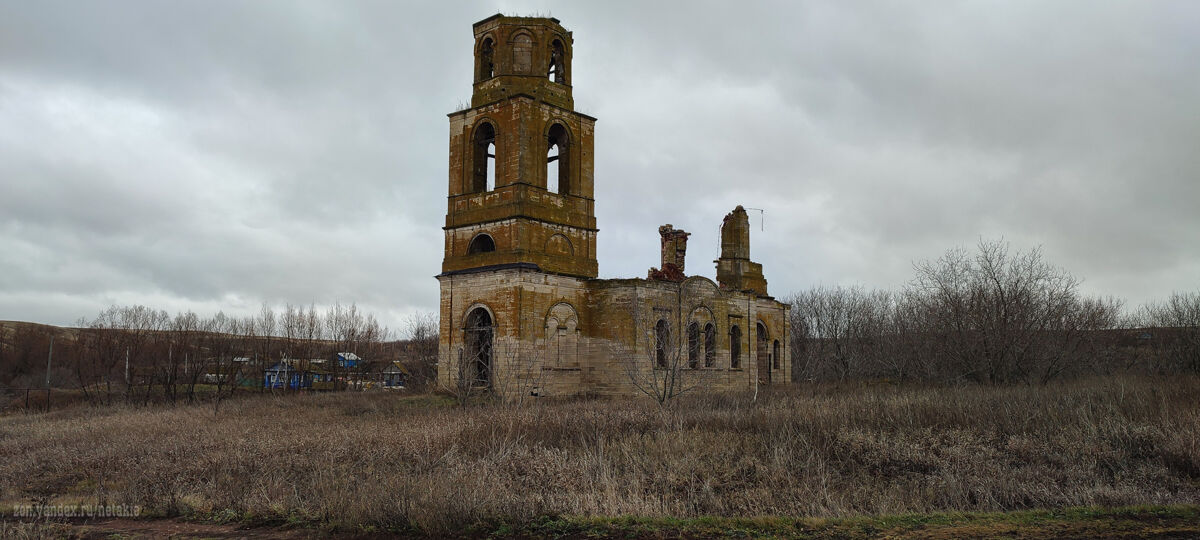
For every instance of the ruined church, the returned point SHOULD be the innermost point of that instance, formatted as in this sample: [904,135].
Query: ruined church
[522,310]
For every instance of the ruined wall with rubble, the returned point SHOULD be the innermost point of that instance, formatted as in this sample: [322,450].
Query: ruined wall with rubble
[559,335]
[627,312]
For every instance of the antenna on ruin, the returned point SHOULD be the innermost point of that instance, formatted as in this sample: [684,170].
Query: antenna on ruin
[761,218]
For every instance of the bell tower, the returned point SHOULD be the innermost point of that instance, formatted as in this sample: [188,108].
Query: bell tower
[520,186]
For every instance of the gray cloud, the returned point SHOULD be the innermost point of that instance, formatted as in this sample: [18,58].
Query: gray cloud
[216,155]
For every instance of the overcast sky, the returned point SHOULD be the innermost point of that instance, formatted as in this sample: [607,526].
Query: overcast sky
[212,155]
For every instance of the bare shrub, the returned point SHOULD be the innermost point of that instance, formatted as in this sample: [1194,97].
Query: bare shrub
[502,371]
[1176,321]
[840,332]
[991,316]
[670,369]
[1002,317]
[420,352]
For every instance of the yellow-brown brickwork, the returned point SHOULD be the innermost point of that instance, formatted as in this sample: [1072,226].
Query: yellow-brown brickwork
[518,281]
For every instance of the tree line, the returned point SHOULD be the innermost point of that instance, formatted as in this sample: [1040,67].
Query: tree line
[138,354]
[992,315]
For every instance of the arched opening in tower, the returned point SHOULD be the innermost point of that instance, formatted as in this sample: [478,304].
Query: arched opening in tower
[476,365]
[552,168]
[557,55]
[487,66]
[484,159]
[558,167]
[482,243]
[491,166]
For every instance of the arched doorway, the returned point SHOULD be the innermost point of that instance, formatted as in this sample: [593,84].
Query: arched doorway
[475,367]
[762,348]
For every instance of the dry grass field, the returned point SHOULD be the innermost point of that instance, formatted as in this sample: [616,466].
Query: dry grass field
[419,464]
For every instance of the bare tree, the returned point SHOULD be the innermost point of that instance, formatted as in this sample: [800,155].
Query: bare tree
[291,325]
[311,332]
[93,367]
[670,368]
[841,333]
[266,326]
[1078,340]
[185,329]
[990,316]
[138,353]
[1002,317]
[420,353]
[224,346]
[1176,331]
[343,326]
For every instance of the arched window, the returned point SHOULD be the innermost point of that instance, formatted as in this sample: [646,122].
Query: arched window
[475,367]
[487,64]
[775,355]
[710,345]
[558,168]
[693,333]
[484,158]
[557,62]
[735,347]
[482,243]
[762,353]
[662,340]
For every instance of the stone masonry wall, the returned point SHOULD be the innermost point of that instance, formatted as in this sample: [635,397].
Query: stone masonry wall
[559,335]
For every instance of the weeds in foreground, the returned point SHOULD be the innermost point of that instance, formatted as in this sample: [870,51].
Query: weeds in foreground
[389,463]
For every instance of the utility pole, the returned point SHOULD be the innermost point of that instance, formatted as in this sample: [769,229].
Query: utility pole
[49,357]
[126,366]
